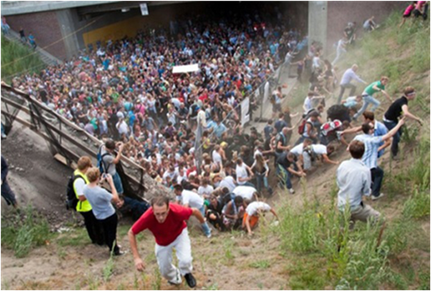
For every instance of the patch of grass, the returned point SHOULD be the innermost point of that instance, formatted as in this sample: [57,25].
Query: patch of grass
[24,231]
[298,231]
[157,281]
[424,280]
[418,205]
[306,273]
[76,237]
[228,246]
[17,58]
[109,267]
[264,264]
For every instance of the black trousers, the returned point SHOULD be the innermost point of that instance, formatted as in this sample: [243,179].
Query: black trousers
[109,226]
[377,179]
[94,229]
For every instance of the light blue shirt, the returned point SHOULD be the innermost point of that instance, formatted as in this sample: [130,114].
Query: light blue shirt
[100,201]
[353,181]
[380,130]
[348,75]
[371,146]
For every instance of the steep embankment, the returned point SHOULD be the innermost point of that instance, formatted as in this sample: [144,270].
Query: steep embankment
[307,250]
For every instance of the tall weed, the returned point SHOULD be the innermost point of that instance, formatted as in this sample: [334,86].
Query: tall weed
[24,231]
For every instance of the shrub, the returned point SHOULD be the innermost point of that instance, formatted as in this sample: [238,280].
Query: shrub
[24,231]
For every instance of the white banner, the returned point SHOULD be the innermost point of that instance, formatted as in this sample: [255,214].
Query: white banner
[185,69]
[245,107]
[144,9]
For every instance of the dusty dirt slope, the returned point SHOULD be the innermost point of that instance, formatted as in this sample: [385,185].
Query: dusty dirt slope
[35,176]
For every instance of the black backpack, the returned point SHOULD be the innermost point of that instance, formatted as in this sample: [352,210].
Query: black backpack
[71,199]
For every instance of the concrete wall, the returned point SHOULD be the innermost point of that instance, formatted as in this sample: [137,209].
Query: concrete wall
[45,28]
[317,21]
[340,13]
[116,25]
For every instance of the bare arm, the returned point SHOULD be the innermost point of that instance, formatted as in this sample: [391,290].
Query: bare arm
[118,157]
[407,113]
[115,197]
[275,214]
[299,173]
[383,91]
[352,130]
[394,130]
[247,225]
[196,213]
[328,160]
[385,145]
[139,264]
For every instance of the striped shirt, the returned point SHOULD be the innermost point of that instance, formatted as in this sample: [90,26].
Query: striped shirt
[372,144]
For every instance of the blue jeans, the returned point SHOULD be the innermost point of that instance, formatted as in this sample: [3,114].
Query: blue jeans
[205,227]
[117,183]
[396,138]
[287,176]
[261,178]
[367,99]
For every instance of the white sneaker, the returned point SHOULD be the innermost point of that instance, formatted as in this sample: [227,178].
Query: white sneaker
[377,197]
[291,191]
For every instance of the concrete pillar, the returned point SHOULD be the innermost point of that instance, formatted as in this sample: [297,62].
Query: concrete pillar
[318,22]
[67,20]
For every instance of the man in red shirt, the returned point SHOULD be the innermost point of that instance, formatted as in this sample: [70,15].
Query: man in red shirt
[167,223]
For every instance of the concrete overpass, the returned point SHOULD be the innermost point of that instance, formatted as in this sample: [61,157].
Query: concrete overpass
[65,27]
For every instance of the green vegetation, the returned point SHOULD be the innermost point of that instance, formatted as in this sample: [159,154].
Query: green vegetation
[18,59]
[327,255]
[24,231]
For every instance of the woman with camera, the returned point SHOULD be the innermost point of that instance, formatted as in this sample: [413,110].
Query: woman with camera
[101,202]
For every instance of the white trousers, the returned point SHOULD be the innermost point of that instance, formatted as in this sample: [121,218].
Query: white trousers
[184,255]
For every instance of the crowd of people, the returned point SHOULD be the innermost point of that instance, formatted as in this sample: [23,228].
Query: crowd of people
[126,93]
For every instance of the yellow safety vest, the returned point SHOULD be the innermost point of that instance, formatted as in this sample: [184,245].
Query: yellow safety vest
[82,206]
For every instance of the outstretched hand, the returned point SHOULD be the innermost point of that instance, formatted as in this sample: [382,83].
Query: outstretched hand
[139,264]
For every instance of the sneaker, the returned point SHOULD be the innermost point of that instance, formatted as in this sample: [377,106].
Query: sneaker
[377,197]
[177,279]
[208,235]
[270,192]
[119,253]
[191,281]
[291,191]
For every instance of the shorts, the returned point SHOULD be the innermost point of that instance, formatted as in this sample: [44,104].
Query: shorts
[253,220]
[408,11]
[276,107]
[117,183]
[7,194]
[416,13]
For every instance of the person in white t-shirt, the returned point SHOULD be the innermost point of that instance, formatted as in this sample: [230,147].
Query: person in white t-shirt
[251,216]
[217,159]
[243,173]
[315,151]
[246,192]
[228,182]
[205,189]
[193,200]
